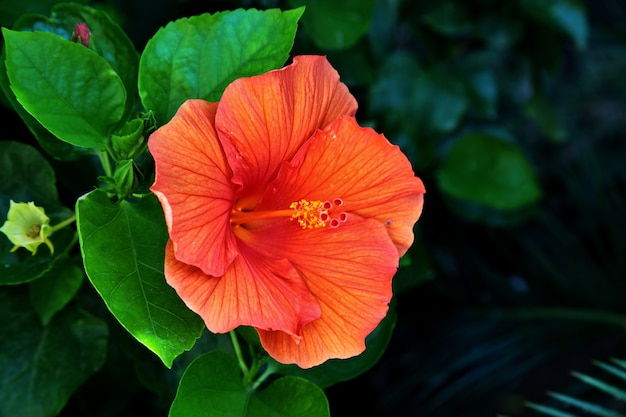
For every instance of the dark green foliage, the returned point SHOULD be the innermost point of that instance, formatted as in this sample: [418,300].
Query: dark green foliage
[512,112]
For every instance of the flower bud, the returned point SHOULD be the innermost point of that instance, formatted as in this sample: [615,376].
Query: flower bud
[127,142]
[81,34]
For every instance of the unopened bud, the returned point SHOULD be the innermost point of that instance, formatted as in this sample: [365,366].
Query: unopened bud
[81,34]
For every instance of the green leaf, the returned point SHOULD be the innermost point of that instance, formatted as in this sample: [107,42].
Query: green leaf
[212,385]
[420,99]
[10,11]
[123,251]
[416,270]
[336,24]
[617,393]
[450,18]
[479,75]
[52,145]
[41,367]
[567,16]
[27,176]
[546,117]
[489,170]
[548,411]
[108,40]
[198,57]
[51,293]
[338,370]
[68,88]
[592,409]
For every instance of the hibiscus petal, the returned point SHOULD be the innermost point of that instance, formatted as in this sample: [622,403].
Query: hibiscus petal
[349,271]
[256,290]
[268,117]
[193,184]
[372,177]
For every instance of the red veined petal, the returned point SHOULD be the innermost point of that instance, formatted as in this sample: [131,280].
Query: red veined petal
[255,290]
[349,271]
[372,177]
[193,184]
[268,117]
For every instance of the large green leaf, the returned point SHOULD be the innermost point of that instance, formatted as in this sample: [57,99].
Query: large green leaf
[41,367]
[123,251]
[52,292]
[48,142]
[336,24]
[27,176]
[198,57]
[107,39]
[489,170]
[69,89]
[212,386]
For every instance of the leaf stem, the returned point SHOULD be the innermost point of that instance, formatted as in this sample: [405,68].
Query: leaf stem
[237,347]
[63,224]
[266,373]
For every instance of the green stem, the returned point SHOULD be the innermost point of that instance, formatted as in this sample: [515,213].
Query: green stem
[237,347]
[63,224]
[104,161]
[578,314]
[268,371]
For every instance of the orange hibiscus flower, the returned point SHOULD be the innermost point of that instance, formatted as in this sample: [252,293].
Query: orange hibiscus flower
[283,213]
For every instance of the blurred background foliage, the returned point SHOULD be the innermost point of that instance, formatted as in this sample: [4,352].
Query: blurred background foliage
[513,113]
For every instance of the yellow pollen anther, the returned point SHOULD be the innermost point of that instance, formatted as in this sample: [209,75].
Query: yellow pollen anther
[309,214]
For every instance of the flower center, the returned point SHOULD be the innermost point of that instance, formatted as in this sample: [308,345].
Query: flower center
[308,214]
[33,231]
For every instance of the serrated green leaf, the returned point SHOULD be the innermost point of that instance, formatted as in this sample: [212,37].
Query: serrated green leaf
[51,293]
[198,57]
[336,24]
[70,90]
[488,170]
[212,385]
[108,40]
[27,176]
[33,358]
[123,251]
